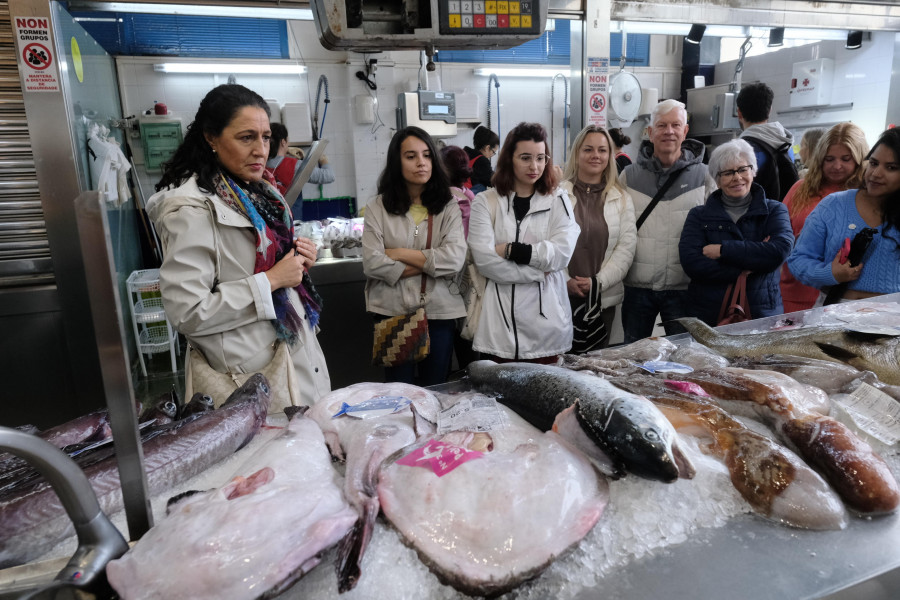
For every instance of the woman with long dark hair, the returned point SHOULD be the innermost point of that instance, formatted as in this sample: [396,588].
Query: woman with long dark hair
[522,234]
[838,163]
[818,259]
[413,198]
[233,279]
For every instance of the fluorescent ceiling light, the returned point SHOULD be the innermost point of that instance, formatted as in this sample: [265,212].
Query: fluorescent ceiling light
[504,72]
[732,31]
[229,68]
[199,10]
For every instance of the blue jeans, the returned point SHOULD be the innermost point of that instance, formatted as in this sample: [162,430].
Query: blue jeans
[435,367]
[641,305]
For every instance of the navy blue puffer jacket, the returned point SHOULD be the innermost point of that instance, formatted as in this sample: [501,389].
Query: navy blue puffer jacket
[743,249]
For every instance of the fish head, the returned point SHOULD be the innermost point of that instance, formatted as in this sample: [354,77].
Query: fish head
[636,434]
[256,389]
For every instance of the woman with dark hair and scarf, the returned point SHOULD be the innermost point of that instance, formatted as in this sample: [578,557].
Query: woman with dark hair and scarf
[233,279]
[413,195]
[819,259]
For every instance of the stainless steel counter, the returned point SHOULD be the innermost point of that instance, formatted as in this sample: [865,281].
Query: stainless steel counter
[750,559]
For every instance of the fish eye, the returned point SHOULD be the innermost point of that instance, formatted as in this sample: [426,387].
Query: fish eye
[207,399]
[652,435]
[265,388]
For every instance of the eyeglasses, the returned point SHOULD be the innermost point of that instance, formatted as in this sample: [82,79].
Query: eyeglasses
[530,158]
[730,173]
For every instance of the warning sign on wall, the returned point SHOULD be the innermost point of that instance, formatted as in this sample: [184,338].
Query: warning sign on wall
[36,61]
[597,90]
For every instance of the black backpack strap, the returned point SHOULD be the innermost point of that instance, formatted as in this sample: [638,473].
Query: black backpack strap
[658,196]
[779,180]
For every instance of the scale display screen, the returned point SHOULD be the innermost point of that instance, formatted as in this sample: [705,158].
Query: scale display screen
[489,17]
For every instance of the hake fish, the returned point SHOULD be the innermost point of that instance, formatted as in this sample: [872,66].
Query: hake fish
[364,443]
[857,473]
[867,352]
[497,520]
[34,521]
[254,537]
[629,429]
[776,483]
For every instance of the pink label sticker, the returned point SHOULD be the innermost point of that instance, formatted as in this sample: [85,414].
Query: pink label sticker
[687,387]
[439,457]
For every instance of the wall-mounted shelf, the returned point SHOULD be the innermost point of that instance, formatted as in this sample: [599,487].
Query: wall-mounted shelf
[821,107]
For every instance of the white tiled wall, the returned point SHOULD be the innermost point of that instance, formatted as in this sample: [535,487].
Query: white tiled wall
[862,77]
[357,151]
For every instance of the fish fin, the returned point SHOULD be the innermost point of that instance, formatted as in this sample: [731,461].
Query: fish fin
[685,467]
[352,547]
[292,411]
[179,497]
[836,352]
[421,425]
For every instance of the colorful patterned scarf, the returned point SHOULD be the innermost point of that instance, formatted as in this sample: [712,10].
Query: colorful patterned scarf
[274,238]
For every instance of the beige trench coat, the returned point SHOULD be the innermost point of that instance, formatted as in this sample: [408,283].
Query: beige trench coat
[225,318]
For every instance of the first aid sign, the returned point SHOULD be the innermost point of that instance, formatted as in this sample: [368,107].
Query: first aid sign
[37,65]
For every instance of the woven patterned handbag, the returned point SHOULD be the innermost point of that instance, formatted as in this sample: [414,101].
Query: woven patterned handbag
[404,338]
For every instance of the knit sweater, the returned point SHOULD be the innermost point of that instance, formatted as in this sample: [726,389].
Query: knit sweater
[833,220]
[794,294]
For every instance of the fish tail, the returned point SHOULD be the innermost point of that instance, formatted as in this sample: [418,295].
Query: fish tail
[700,331]
[353,546]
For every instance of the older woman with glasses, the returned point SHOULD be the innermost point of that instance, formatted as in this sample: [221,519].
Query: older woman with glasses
[737,229]
[522,233]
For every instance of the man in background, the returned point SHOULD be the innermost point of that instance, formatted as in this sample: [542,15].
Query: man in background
[282,168]
[771,142]
[656,283]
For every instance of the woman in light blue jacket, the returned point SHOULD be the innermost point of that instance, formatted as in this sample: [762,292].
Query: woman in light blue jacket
[522,234]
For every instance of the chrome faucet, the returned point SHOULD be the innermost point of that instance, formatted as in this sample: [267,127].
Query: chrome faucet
[98,539]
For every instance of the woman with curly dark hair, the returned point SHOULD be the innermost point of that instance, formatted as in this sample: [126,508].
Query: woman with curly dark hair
[818,259]
[413,231]
[522,234]
[233,280]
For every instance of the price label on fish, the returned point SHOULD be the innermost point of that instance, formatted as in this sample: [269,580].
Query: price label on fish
[438,456]
[874,412]
[478,413]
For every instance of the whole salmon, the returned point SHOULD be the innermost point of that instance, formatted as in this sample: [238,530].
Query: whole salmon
[34,521]
[867,352]
[629,429]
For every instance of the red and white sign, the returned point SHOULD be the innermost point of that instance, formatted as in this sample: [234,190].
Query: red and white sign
[597,90]
[37,65]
